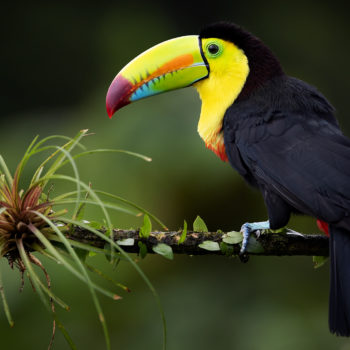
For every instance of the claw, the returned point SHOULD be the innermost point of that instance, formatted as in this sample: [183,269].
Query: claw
[243,257]
[247,229]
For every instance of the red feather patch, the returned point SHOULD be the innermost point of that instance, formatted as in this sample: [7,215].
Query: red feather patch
[323,226]
[218,147]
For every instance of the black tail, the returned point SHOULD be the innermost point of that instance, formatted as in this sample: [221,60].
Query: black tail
[339,298]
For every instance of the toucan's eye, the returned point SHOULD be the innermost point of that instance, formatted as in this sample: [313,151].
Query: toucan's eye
[214,49]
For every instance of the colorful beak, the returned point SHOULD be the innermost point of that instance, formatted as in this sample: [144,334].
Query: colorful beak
[171,65]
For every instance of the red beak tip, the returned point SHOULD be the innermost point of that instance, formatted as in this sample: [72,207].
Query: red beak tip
[109,111]
[118,94]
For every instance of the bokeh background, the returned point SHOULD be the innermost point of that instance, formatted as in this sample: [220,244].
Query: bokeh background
[57,60]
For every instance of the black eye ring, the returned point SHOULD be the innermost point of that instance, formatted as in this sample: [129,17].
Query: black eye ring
[213,49]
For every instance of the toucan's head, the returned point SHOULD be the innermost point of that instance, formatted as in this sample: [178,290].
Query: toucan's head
[224,63]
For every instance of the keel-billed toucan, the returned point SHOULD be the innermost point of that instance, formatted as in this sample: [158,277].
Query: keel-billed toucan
[278,132]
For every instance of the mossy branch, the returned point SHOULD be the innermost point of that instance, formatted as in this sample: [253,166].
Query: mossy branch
[273,244]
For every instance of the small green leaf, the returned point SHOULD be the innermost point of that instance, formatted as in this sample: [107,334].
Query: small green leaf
[143,249]
[209,245]
[319,261]
[226,249]
[164,250]
[223,247]
[183,234]
[146,228]
[94,224]
[82,253]
[233,237]
[107,247]
[254,246]
[199,225]
[126,241]
[230,240]
[235,234]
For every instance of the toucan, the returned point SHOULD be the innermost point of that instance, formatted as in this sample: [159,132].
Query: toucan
[279,133]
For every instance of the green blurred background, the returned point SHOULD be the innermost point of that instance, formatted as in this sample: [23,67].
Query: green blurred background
[57,61]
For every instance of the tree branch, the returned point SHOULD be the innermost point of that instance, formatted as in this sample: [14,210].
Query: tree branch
[277,244]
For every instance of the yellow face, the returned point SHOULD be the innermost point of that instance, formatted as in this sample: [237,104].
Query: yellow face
[228,72]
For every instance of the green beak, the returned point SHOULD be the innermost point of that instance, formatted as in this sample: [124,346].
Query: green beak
[171,65]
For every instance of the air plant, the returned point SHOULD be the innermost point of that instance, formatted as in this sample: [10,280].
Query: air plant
[31,226]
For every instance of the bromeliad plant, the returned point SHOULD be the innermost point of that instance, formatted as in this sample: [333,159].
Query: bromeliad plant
[30,225]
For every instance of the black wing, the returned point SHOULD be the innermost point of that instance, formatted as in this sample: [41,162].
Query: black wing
[296,156]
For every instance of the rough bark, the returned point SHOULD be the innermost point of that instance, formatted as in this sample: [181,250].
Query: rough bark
[277,244]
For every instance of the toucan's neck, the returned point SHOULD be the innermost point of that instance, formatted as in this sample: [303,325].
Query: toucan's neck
[263,66]
[249,64]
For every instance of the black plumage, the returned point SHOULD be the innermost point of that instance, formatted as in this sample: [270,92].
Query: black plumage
[282,137]
[284,140]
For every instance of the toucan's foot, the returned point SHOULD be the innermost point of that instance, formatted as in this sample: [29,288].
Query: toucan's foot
[247,229]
